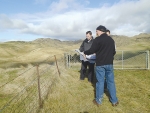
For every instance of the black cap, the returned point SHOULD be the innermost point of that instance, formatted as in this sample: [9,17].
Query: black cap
[101,28]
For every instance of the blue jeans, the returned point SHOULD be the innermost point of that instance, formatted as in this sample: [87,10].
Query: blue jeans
[102,73]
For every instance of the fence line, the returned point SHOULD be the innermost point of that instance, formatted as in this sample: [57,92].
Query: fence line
[34,85]
[34,90]
[16,96]
[15,77]
[122,59]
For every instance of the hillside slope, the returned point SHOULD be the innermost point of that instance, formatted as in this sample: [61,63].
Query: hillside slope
[21,52]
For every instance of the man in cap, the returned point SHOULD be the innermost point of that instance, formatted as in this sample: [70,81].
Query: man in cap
[104,48]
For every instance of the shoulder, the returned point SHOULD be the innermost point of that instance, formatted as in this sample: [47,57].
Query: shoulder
[85,40]
[96,40]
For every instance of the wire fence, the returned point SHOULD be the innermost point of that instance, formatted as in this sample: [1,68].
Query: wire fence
[24,90]
[122,59]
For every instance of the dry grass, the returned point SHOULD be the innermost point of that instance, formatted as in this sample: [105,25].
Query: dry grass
[68,94]
[18,54]
[73,96]
[21,94]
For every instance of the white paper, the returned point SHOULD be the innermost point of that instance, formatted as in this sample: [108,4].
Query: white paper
[81,55]
[91,58]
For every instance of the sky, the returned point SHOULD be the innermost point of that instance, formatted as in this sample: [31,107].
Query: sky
[27,20]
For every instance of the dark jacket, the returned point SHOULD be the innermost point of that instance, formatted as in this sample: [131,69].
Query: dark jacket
[104,47]
[86,45]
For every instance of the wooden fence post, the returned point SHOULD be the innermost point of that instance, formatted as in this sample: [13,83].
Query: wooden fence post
[57,65]
[39,89]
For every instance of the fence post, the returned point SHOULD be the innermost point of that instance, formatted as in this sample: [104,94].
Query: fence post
[148,60]
[69,61]
[39,90]
[65,62]
[122,59]
[57,65]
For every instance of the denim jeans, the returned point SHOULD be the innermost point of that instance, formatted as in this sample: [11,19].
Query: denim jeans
[102,73]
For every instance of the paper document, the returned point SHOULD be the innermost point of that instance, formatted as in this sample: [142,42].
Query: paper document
[81,55]
[89,58]
[92,56]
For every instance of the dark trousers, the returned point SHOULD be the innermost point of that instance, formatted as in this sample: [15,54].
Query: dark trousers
[84,66]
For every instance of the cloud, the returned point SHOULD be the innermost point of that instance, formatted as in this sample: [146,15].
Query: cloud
[130,16]
[40,1]
[7,23]
[65,5]
[122,18]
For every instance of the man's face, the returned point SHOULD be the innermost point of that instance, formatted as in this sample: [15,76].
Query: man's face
[108,33]
[88,36]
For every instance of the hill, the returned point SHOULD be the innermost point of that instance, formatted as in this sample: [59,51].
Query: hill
[23,53]
[137,42]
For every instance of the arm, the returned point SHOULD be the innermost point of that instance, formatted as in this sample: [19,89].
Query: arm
[82,47]
[114,49]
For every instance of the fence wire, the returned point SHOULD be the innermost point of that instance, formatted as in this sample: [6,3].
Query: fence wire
[122,59]
[24,90]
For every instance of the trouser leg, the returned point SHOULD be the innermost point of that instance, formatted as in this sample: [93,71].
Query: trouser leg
[100,74]
[83,70]
[91,72]
[111,83]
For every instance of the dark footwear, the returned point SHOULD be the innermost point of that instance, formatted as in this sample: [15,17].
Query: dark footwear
[94,101]
[81,79]
[115,104]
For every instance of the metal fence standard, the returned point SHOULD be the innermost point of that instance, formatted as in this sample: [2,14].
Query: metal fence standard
[122,59]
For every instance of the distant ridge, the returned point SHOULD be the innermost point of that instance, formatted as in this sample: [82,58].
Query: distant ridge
[55,41]
[120,40]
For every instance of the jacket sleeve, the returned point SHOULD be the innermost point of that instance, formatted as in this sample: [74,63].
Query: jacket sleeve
[93,49]
[114,52]
[82,47]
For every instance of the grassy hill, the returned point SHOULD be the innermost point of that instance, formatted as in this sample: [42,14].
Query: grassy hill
[138,42]
[20,53]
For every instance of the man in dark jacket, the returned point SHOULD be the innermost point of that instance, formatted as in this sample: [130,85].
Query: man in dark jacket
[104,47]
[86,44]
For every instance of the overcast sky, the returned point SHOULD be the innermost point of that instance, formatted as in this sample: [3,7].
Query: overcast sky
[27,20]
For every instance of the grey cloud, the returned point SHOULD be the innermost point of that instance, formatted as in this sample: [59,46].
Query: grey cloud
[7,23]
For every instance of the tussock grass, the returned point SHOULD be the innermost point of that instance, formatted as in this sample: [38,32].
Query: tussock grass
[21,94]
[73,96]
[67,94]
